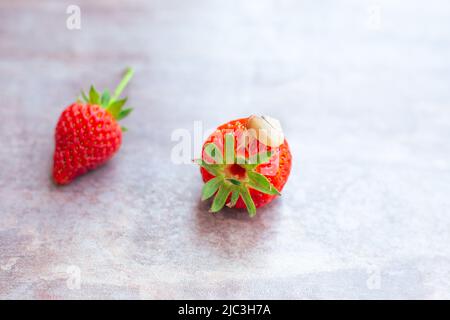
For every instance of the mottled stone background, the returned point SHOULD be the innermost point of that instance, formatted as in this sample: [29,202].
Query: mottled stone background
[361,87]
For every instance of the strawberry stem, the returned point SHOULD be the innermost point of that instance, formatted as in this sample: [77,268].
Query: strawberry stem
[123,83]
[235,176]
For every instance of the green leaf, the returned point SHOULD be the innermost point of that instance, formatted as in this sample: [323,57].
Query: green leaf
[94,96]
[124,114]
[211,187]
[234,199]
[243,163]
[251,208]
[252,162]
[105,98]
[118,104]
[214,152]
[115,107]
[85,98]
[234,181]
[249,167]
[259,182]
[124,129]
[214,169]
[221,198]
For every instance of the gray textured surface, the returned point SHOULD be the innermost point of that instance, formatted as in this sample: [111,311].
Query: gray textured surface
[362,89]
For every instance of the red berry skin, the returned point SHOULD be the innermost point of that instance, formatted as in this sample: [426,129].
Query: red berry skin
[86,136]
[278,180]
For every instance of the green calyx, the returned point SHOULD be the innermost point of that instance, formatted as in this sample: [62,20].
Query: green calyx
[234,176]
[112,104]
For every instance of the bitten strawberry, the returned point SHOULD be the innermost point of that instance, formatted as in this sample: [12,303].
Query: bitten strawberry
[245,164]
[87,134]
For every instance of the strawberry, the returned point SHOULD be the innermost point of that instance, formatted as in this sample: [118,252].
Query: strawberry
[245,164]
[87,134]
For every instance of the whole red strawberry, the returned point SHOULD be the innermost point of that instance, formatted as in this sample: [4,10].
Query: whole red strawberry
[245,163]
[87,134]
